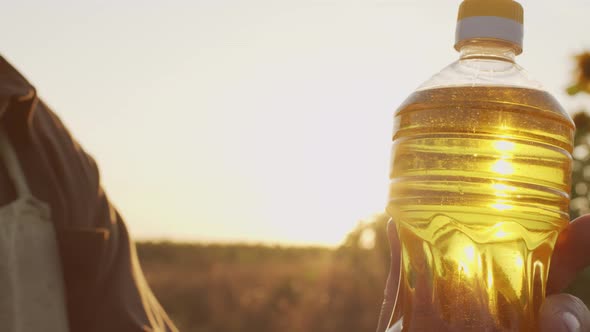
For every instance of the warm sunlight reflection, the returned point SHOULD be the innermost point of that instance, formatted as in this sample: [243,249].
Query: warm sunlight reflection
[427,252]
[504,146]
[501,234]
[503,167]
[519,261]
[502,188]
[501,230]
[501,206]
[490,280]
[518,267]
[466,260]
[469,252]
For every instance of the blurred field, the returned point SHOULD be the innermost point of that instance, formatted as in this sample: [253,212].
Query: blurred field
[226,288]
[258,289]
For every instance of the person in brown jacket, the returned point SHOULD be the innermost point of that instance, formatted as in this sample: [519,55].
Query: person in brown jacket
[105,287]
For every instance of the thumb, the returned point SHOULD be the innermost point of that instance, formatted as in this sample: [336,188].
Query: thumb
[564,313]
[570,256]
[391,287]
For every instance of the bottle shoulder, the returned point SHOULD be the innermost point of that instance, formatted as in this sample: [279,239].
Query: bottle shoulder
[471,82]
[482,72]
[521,113]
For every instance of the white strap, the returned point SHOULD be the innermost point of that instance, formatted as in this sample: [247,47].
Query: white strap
[15,172]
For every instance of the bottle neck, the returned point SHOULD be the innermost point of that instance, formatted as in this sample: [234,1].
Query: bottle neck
[488,49]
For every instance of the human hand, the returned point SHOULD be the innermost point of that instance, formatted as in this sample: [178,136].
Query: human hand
[559,313]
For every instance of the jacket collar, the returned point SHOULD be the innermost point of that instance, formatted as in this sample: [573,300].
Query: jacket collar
[13,86]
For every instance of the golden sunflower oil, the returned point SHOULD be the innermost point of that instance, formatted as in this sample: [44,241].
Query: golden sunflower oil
[480,182]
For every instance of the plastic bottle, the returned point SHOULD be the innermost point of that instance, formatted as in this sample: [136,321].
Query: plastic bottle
[480,182]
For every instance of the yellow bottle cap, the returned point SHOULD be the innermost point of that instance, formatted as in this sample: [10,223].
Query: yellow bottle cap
[508,9]
[490,19]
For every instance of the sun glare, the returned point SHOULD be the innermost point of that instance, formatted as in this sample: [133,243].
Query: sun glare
[504,146]
[502,188]
[501,206]
[466,260]
[503,167]
[501,234]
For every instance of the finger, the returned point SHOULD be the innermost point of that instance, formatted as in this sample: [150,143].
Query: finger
[570,255]
[564,313]
[392,284]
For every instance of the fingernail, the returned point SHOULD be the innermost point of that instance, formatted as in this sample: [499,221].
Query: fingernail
[571,322]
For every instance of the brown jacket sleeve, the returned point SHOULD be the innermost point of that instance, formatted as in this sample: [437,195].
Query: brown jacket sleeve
[105,287]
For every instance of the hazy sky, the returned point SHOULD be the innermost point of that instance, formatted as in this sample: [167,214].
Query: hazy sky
[252,120]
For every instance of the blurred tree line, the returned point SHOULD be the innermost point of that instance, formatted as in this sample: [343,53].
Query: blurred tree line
[357,242]
[581,170]
[581,167]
